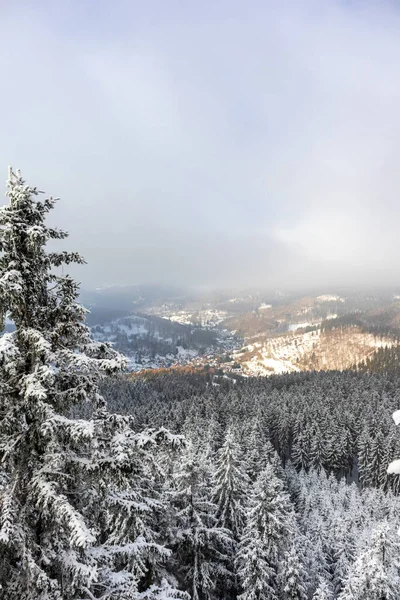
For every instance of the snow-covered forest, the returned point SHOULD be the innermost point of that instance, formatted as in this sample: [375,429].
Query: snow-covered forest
[294,467]
[177,485]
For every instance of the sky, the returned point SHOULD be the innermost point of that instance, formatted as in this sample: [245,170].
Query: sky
[209,143]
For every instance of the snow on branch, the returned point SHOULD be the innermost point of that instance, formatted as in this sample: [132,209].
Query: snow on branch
[151,436]
[48,500]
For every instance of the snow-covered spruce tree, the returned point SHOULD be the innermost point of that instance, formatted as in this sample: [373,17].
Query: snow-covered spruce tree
[376,467]
[126,500]
[292,576]
[230,485]
[257,576]
[323,591]
[265,538]
[375,573]
[258,451]
[319,450]
[364,457]
[254,449]
[56,517]
[301,450]
[202,550]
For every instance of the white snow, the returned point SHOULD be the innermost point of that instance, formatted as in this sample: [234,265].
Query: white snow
[396,417]
[274,365]
[296,326]
[207,318]
[181,317]
[329,298]
[286,353]
[394,467]
[241,299]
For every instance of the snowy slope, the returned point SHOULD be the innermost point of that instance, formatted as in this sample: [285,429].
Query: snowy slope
[320,350]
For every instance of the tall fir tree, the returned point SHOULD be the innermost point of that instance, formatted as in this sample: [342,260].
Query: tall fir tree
[265,538]
[61,536]
[230,486]
[292,575]
[202,549]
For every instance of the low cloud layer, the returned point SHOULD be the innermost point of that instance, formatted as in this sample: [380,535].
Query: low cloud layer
[211,143]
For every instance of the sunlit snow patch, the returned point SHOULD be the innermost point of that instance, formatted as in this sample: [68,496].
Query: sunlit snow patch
[296,326]
[329,298]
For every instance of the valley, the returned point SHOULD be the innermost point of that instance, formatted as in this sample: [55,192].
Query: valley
[252,333]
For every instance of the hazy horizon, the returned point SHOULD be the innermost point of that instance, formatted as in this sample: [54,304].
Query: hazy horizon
[211,145]
[286,290]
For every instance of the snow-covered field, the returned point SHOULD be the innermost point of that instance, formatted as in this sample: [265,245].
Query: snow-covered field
[329,298]
[296,326]
[181,317]
[207,318]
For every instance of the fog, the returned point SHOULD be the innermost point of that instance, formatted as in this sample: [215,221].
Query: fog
[211,143]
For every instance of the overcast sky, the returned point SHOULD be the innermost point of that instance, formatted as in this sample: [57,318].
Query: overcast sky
[211,142]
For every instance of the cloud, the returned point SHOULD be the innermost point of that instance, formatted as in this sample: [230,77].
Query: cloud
[221,143]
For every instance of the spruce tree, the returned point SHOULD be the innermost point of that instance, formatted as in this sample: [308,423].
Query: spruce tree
[319,450]
[254,449]
[301,450]
[257,576]
[375,572]
[364,457]
[292,575]
[323,591]
[265,538]
[230,484]
[376,467]
[68,493]
[202,549]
